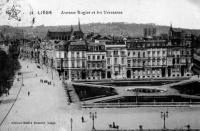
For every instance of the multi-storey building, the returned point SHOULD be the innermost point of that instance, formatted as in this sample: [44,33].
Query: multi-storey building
[96,60]
[146,58]
[77,60]
[150,58]
[179,53]
[60,59]
[116,59]
[110,58]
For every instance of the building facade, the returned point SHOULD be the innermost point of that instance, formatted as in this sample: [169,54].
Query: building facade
[96,58]
[77,60]
[116,59]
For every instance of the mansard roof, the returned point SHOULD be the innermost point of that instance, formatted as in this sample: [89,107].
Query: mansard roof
[56,33]
[78,45]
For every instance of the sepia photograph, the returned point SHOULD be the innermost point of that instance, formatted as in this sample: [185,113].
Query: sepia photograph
[99,65]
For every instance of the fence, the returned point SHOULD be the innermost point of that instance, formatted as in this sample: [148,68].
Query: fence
[151,130]
[139,104]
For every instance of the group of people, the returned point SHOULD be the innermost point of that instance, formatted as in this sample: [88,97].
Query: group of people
[45,81]
[113,125]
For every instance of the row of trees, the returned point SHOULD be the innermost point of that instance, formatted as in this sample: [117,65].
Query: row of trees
[8,66]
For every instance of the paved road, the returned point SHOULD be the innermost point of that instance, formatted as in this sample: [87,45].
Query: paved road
[47,106]
[46,103]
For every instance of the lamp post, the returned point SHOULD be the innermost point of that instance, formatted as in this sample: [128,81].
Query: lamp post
[93,116]
[71,120]
[163,116]
[136,95]
[22,80]
[52,68]
[20,73]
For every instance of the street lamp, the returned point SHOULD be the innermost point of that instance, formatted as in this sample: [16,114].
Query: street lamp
[20,73]
[136,95]
[71,121]
[93,116]
[164,115]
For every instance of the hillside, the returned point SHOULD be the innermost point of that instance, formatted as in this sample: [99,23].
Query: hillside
[101,28]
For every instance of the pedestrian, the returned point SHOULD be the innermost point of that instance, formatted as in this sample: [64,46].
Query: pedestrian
[6,91]
[82,119]
[28,93]
[27,66]
[113,124]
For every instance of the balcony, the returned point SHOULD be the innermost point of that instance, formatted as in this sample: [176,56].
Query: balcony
[95,60]
[116,55]
[123,55]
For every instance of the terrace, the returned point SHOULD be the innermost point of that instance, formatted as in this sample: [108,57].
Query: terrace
[138,93]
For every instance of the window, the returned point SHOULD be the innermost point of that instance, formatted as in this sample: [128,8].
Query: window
[65,54]
[108,61]
[109,53]
[164,61]
[178,61]
[89,57]
[98,57]
[89,65]
[73,64]
[149,63]
[83,54]
[129,63]
[129,53]
[153,61]
[115,61]
[158,61]
[153,53]
[103,65]
[72,54]
[93,57]
[78,64]
[163,52]
[83,64]
[189,60]
[143,54]
[158,52]
[103,57]
[122,60]
[115,52]
[78,54]
[96,48]
[133,53]
[188,52]
[138,54]
[182,52]
[98,65]
[93,65]
[149,53]
[122,53]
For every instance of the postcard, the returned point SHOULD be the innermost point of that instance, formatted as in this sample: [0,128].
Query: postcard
[100,65]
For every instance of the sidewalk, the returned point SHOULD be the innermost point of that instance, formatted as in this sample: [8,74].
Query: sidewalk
[8,101]
[44,107]
[72,93]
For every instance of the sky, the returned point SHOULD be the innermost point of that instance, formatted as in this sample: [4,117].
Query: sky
[179,13]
